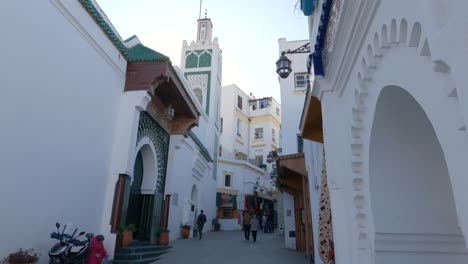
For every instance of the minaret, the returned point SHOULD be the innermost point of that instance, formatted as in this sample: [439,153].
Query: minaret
[205,29]
[201,63]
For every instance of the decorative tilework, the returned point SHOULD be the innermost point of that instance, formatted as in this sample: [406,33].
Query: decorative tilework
[198,58]
[147,127]
[201,80]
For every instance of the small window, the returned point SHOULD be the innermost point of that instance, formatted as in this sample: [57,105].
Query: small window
[199,94]
[221,125]
[238,127]
[273,135]
[259,133]
[239,102]
[264,103]
[301,80]
[220,150]
[227,180]
[254,105]
[277,111]
[259,158]
[226,213]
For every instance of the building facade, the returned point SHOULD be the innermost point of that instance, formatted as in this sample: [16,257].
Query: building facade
[192,187]
[388,102]
[291,164]
[250,129]
[94,155]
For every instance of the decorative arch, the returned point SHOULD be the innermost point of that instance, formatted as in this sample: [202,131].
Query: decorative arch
[152,134]
[194,194]
[199,94]
[378,47]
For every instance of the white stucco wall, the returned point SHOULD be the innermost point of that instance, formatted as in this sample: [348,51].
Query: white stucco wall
[289,220]
[292,99]
[61,83]
[431,68]
[180,182]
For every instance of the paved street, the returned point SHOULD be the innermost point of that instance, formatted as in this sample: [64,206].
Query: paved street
[231,247]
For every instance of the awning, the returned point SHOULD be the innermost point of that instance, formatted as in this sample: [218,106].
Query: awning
[311,127]
[228,191]
[291,171]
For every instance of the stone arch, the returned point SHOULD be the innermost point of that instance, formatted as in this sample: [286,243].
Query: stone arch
[150,165]
[360,124]
[194,195]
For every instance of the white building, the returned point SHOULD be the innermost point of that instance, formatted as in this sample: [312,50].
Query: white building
[390,88]
[192,168]
[86,125]
[249,131]
[293,89]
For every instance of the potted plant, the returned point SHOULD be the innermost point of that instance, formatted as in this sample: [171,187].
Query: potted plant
[163,234]
[22,257]
[127,234]
[185,231]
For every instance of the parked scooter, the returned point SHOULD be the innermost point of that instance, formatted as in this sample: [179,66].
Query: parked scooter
[69,250]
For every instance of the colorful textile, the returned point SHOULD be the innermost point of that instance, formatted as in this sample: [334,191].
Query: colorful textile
[325,219]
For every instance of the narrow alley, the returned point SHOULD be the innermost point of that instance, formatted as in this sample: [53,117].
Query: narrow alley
[231,247]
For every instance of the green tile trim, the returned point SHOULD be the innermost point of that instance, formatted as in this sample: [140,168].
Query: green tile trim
[94,13]
[140,53]
[203,150]
[208,87]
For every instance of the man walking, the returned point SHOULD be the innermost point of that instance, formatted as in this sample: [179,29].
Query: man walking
[246,223]
[201,220]
[254,226]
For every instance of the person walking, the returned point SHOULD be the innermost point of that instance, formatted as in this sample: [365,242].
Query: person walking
[246,223]
[201,220]
[254,226]
[264,223]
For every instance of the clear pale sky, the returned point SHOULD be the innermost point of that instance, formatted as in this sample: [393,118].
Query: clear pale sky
[248,33]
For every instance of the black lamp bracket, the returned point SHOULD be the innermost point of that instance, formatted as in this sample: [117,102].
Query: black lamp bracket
[302,49]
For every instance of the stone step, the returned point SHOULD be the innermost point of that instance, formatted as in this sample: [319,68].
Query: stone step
[139,261]
[140,249]
[138,256]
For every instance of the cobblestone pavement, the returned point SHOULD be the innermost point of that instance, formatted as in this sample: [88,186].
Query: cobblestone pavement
[231,247]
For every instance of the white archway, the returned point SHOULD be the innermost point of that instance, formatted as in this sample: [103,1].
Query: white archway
[194,195]
[412,202]
[150,175]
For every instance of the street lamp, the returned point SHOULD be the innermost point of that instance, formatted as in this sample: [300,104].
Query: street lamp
[273,155]
[283,65]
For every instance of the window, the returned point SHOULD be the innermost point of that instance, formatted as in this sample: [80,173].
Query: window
[277,111]
[273,135]
[227,180]
[301,80]
[226,213]
[221,125]
[264,103]
[238,127]
[259,133]
[220,150]
[254,105]
[199,94]
[260,159]
[239,102]
[300,144]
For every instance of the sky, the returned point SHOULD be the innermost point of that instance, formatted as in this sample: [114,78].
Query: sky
[247,30]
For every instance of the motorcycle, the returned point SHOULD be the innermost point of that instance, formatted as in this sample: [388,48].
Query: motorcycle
[69,250]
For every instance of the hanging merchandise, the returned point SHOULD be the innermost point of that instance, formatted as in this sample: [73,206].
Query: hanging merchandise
[326,250]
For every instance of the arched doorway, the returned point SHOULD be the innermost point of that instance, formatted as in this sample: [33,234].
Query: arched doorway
[141,195]
[412,202]
[194,203]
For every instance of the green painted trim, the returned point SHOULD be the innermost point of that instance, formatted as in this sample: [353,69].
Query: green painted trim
[94,13]
[203,150]
[140,53]
[208,87]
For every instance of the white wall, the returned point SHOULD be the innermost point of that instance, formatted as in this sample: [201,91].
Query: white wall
[61,82]
[292,99]
[432,70]
[289,221]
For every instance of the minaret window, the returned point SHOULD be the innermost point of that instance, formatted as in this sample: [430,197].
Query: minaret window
[199,94]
